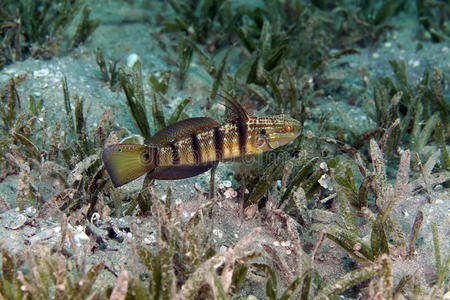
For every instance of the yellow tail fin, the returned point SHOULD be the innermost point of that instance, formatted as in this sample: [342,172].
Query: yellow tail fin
[126,162]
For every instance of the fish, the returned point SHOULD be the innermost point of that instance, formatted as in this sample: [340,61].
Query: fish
[193,146]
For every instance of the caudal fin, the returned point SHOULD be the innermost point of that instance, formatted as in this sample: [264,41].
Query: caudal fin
[126,162]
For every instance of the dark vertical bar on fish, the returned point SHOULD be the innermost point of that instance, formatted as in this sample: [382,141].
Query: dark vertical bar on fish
[155,153]
[196,149]
[175,155]
[218,143]
[242,136]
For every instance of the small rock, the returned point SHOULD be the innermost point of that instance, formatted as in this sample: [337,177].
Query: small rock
[132,59]
[229,193]
[325,182]
[80,237]
[149,240]
[218,233]
[285,244]
[309,134]
[227,183]
[79,228]
[10,71]
[16,222]
[30,211]
[250,211]
[41,72]
[28,232]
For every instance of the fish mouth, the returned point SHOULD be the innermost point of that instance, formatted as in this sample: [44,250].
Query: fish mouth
[296,127]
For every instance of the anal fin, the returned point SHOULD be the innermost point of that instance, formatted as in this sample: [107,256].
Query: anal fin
[179,172]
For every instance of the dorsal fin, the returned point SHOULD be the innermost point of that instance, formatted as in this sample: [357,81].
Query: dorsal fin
[235,107]
[180,130]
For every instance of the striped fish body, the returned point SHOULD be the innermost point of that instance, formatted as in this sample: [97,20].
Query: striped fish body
[228,141]
[192,146]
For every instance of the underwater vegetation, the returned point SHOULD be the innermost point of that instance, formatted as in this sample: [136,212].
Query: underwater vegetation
[330,195]
[36,28]
[433,16]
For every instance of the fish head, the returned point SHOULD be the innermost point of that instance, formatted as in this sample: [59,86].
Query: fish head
[277,131]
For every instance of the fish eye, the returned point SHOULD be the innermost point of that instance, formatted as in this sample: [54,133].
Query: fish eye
[262,132]
[288,127]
